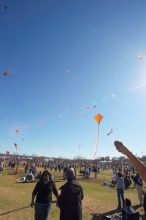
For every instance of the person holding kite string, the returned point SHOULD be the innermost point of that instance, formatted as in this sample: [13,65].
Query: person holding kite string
[141,169]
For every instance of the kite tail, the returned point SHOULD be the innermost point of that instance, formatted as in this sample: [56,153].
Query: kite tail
[97,141]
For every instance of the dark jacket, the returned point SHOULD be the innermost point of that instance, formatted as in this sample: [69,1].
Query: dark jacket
[70,201]
[137,180]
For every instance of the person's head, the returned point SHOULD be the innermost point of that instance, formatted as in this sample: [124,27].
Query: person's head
[70,174]
[46,175]
[127,202]
[120,174]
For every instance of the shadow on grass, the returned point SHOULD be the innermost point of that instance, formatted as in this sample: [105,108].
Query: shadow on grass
[15,210]
[99,217]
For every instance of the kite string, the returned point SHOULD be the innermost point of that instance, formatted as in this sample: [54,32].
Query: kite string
[90,208]
[97,142]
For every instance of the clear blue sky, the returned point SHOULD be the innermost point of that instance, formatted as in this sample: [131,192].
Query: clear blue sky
[65,55]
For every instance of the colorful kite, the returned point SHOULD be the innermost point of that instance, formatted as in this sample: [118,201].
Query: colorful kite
[98,119]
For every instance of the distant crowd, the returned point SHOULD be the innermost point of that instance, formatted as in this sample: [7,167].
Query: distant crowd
[124,175]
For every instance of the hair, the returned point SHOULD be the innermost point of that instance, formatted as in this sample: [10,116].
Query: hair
[44,173]
[70,174]
[127,202]
[120,174]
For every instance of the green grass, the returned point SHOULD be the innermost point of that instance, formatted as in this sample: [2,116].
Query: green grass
[15,197]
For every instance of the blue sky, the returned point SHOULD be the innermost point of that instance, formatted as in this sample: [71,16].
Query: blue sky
[64,57]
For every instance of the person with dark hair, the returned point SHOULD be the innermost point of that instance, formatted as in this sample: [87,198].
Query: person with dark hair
[43,194]
[139,187]
[128,208]
[70,199]
[120,189]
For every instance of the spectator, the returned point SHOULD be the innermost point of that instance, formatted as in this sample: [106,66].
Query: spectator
[43,193]
[120,189]
[138,184]
[70,199]
[1,167]
[128,209]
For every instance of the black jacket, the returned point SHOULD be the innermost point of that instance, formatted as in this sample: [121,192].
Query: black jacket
[70,201]
[44,191]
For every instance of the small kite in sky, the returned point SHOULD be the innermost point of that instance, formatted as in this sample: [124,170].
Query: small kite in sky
[16,146]
[5,73]
[5,7]
[98,119]
[87,108]
[17,130]
[139,57]
[110,132]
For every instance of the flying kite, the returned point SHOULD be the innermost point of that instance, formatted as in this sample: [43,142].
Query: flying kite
[94,106]
[111,131]
[98,119]
[139,57]
[17,131]
[5,73]
[87,108]
[16,146]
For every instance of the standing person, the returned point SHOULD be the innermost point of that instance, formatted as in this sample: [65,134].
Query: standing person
[43,193]
[138,184]
[135,162]
[70,199]
[95,171]
[1,167]
[120,189]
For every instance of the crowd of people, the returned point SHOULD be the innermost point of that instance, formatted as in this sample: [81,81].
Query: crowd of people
[69,200]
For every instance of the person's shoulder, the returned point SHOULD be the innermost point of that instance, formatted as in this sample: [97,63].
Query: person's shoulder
[76,183]
[51,182]
[39,182]
[64,186]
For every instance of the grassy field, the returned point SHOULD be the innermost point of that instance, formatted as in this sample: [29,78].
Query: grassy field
[15,198]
